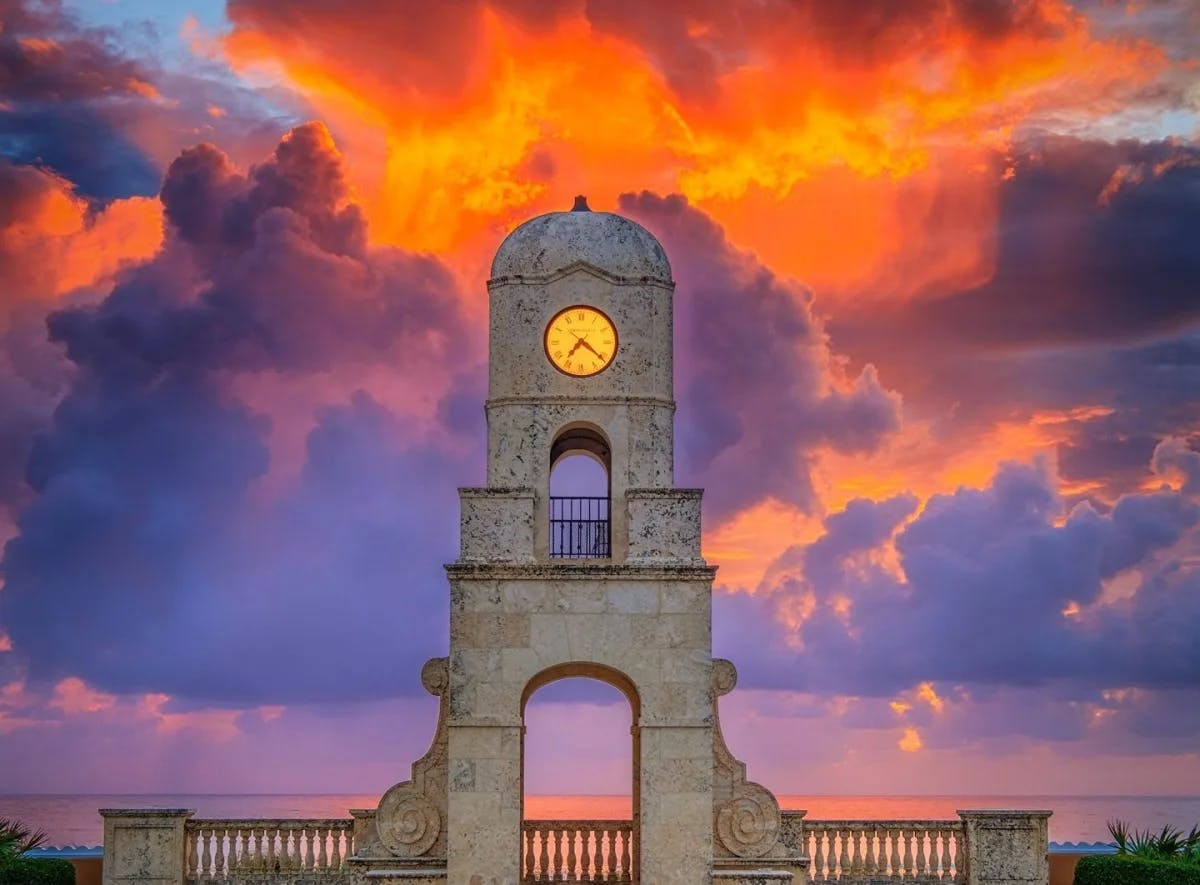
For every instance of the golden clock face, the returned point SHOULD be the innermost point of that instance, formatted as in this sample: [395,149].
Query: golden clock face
[581,341]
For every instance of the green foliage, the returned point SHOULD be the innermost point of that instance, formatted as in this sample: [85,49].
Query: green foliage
[36,871]
[1130,869]
[1167,844]
[16,839]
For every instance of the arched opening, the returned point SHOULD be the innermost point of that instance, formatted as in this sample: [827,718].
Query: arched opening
[580,492]
[579,775]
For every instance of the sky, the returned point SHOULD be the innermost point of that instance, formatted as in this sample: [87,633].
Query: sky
[937,364]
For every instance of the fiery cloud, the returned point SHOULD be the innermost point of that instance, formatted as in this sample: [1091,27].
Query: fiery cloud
[936,339]
[770,117]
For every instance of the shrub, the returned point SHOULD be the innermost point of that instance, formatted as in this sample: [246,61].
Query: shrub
[1130,869]
[37,871]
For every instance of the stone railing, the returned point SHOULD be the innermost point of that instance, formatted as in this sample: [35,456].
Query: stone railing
[877,850]
[576,851]
[223,849]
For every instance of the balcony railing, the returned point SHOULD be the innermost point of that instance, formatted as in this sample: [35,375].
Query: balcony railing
[576,851]
[579,528]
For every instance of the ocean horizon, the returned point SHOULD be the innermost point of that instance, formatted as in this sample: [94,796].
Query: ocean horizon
[74,819]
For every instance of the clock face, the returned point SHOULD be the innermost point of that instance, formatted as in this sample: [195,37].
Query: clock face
[581,341]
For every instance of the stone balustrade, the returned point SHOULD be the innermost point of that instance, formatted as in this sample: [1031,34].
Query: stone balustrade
[877,850]
[227,849]
[577,851]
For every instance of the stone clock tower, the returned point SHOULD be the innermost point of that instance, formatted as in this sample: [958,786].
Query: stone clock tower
[544,589]
[528,606]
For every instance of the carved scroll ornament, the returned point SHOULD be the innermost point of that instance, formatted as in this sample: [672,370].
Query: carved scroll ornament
[746,817]
[411,814]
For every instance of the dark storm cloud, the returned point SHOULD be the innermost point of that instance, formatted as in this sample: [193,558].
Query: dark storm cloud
[987,576]
[1093,303]
[66,92]
[146,546]
[753,370]
[1096,243]
[74,99]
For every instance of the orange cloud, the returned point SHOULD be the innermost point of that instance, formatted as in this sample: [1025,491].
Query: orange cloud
[837,166]
[910,741]
[53,242]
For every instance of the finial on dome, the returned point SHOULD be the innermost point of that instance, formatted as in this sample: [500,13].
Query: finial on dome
[581,204]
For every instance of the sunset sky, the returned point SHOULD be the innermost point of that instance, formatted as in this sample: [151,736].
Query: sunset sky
[937,364]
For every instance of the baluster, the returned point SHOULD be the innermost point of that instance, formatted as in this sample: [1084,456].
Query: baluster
[259,835]
[879,850]
[585,855]
[894,858]
[322,855]
[626,859]
[335,858]
[817,853]
[544,856]
[614,874]
[191,840]
[921,852]
[218,867]
[844,854]
[309,860]
[271,862]
[571,859]
[906,836]
[598,854]
[856,863]
[529,860]
[205,853]
[946,834]
[243,850]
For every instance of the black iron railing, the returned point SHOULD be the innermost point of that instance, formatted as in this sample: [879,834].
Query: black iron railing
[579,528]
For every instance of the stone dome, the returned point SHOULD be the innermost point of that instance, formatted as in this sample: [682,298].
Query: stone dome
[554,241]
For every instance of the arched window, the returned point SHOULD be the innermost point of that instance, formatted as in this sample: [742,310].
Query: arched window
[579,495]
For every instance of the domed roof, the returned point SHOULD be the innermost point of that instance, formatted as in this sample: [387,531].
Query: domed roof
[554,241]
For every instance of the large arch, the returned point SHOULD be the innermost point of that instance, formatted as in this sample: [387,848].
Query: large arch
[620,681]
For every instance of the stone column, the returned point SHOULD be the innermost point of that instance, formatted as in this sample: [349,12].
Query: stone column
[484,837]
[676,797]
[146,846]
[1006,847]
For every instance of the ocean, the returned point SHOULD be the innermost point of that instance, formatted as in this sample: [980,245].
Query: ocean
[73,820]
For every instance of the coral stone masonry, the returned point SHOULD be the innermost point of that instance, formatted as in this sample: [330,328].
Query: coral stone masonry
[611,587]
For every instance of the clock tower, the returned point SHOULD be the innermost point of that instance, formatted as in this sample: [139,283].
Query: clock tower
[611,587]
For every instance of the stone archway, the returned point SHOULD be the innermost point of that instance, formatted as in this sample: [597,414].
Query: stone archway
[592,851]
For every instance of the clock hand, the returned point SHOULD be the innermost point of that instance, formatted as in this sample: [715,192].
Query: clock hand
[584,342]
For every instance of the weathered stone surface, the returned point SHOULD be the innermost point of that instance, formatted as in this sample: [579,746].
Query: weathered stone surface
[553,242]
[496,525]
[144,846]
[1006,847]
[664,525]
